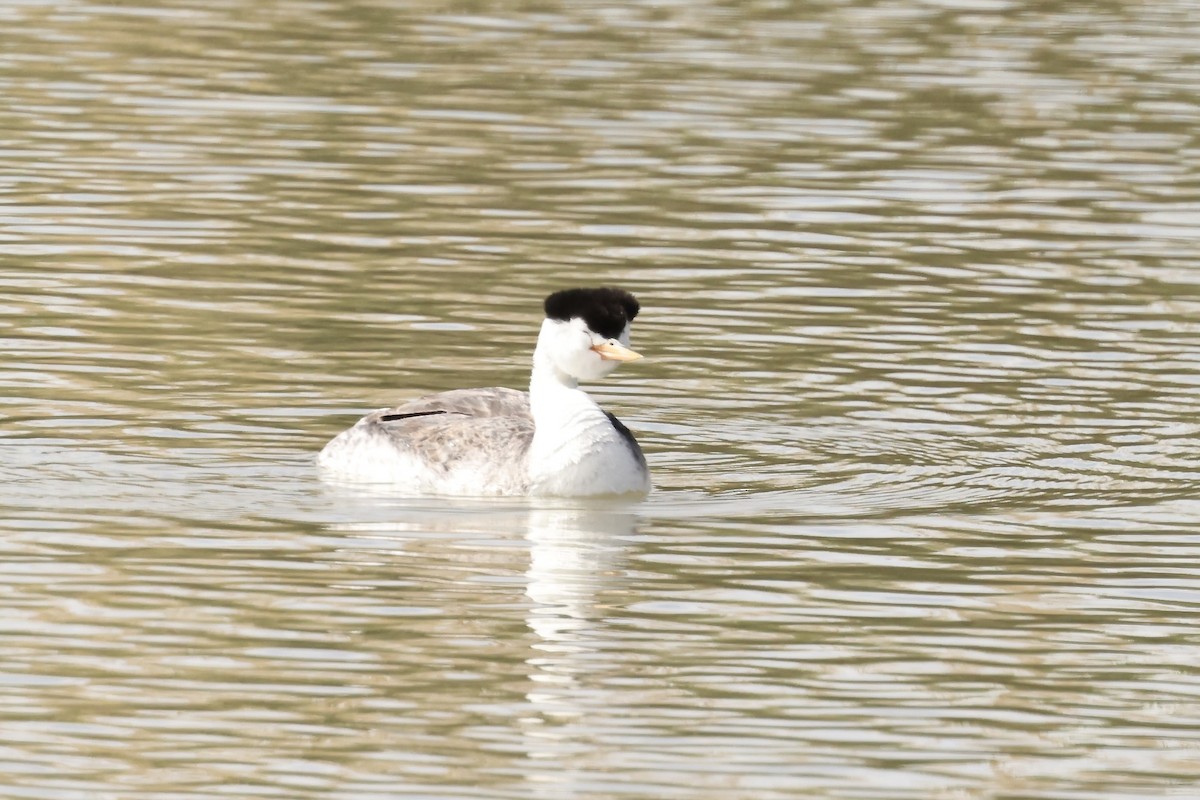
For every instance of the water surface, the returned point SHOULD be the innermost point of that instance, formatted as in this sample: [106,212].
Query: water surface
[919,289]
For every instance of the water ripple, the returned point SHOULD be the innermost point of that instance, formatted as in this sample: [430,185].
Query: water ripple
[918,399]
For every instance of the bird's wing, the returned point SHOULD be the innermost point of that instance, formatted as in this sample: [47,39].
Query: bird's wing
[490,402]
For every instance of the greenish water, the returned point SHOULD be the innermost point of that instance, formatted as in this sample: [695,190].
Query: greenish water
[920,315]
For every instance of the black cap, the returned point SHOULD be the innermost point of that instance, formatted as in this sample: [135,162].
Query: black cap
[606,311]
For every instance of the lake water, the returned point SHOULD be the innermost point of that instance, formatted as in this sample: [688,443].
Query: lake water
[921,398]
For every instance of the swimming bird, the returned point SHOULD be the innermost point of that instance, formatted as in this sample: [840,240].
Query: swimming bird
[550,441]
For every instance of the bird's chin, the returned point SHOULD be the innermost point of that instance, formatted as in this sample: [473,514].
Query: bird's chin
[594,372]
[604,369]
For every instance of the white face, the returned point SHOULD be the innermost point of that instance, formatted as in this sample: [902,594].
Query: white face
[569,345]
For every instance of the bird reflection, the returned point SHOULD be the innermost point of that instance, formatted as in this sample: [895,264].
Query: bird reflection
[549,688]
[574,555]
[575,562]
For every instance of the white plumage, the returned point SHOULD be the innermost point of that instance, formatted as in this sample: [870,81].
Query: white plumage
[553,440]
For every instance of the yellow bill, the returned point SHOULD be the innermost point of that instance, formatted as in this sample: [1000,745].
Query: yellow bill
[615,352]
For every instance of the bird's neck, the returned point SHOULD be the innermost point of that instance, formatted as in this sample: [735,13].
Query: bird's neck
[570,434]
[555,399]
[576,450]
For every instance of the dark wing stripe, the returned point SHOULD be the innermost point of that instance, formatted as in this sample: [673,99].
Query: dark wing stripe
[394,417]
[625,434]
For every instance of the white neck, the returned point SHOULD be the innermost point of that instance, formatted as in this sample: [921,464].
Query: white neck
[569,429]
[555,399]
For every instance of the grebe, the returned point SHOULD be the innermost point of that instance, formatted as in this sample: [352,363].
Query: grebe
[551,440]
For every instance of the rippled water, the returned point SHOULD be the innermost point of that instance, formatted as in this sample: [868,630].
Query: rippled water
[920,399]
